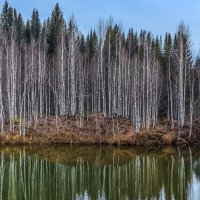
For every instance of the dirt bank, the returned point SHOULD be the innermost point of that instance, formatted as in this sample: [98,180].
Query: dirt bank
[99,130]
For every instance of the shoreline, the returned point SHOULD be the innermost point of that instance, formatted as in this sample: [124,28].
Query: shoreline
[119,140]
[98,130]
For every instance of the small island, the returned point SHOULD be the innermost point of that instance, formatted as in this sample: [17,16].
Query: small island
[58,85]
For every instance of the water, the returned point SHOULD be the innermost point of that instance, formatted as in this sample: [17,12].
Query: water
[90,172]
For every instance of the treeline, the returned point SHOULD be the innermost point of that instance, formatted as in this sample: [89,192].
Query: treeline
[53,69]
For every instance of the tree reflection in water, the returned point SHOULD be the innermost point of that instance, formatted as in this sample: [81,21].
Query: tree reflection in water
[98,173]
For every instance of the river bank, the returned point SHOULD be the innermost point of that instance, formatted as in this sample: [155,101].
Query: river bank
[98,129]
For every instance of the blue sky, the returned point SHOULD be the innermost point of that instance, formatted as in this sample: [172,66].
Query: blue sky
[158,16]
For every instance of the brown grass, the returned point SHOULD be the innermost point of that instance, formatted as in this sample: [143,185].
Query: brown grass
[100,131]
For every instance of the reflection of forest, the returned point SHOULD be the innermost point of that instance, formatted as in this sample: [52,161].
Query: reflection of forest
[98,173]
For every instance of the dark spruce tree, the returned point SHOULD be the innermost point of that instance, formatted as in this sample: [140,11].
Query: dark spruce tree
[54,26]
[19,26]
[27,32]
[6,18]
[35,25]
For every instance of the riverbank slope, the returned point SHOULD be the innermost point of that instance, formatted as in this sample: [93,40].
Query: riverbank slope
[98,129]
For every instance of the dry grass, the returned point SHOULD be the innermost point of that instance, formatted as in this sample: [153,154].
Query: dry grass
[99,130]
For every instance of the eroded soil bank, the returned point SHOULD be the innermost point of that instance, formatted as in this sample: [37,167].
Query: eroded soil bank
[98,129]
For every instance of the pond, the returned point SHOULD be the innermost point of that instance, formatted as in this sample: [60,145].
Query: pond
[94,173]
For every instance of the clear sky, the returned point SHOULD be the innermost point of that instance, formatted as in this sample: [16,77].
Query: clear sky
[158,16]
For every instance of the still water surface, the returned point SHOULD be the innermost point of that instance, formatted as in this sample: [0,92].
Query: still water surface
[91,172]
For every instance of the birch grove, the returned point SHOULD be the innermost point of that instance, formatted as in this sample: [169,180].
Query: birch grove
[55,70]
